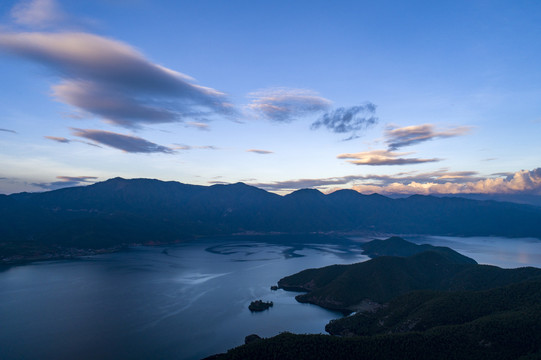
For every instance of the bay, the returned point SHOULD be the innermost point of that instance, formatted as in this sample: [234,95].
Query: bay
[185,301]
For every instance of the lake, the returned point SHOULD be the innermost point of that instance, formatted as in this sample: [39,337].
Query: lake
[185,301]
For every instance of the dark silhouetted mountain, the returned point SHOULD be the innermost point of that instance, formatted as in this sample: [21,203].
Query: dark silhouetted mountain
[530,199]
[120,211]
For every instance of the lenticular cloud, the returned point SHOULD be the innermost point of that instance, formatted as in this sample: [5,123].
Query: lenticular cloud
[112,80]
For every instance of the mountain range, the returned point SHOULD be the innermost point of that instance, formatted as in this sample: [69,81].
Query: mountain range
[121,211]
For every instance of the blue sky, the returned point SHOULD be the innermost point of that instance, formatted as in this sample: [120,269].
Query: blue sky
[388,96]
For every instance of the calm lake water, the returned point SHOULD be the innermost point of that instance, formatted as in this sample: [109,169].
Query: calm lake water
[185,301]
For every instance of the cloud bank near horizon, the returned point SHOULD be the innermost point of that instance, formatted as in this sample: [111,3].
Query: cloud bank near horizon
[431,183]
[524,181]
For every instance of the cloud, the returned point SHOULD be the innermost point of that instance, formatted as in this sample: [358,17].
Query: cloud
[38,13]
[410,135]
[441,181]
[439,176]
[348,120]
[198,125]
[87,143]
[523,181]
[67,141]
[286,105]
[58,139]
[218,182]
[126,143]
[382,157]
[8,130]
[258,151]
[190,147]
[289,185]
[111,80]
[66,181]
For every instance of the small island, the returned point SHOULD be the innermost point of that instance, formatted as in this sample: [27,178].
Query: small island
[259,305]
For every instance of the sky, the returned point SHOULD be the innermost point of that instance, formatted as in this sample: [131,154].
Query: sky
[392,97]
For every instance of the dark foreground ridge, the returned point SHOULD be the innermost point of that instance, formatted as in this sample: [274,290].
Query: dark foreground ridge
[431,307]
[120,212]
[353,287]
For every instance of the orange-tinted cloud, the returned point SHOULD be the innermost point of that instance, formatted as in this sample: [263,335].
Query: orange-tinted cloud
[523,181]
[58,139]
[382,157]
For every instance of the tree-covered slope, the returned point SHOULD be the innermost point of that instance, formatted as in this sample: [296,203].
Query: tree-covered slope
[497,317]
[500,336]
[396,246]
[345,287]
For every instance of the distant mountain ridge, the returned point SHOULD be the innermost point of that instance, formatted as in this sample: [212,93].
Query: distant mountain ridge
[120,211]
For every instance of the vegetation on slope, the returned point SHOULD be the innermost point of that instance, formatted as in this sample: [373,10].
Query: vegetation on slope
[396,246]
[344,287]
[470,312]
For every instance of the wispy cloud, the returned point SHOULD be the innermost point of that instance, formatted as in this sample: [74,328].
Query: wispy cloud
[259,151]
[193,147]
[348,120]
[66,181]
[58,139]
[38,13]
[285,105]
[198,125]
[111,80]
[383,157]
[409,135]
[126,143]
[9,131]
